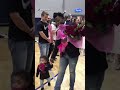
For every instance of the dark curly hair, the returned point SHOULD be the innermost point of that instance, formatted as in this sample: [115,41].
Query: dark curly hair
[45,58]
[58,14]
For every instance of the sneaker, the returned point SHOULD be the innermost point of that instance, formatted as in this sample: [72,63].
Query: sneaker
[42,88]
[71,89]
[52,60]
[49,84]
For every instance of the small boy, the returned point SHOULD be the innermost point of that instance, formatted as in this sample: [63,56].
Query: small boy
[43,69]
[21,81]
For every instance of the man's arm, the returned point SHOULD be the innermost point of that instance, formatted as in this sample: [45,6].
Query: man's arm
[43,36]
[19,22]
[33,17]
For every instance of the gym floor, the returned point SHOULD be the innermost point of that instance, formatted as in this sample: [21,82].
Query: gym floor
[80,73]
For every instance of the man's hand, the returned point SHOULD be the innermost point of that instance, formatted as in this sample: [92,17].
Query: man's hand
[51,63]
[48,40]
[32,33]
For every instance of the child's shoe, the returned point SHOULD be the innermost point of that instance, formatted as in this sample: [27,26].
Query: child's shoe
[49,84]
[42,88]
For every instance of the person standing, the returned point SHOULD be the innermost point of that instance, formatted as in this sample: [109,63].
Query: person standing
[59,19]
[54,29]
[21,35]
[95,67]
[44,41]
[68,58]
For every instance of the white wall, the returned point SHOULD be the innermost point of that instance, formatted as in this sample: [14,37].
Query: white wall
[71,5]
[52,6]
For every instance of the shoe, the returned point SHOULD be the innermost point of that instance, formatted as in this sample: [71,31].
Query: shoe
[49,84]
[71,89]
[42,88]
[52,60]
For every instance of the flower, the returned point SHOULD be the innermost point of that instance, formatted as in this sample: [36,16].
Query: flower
[97,14]
[73,31]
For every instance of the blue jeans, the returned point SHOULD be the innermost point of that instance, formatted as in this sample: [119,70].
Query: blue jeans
[64,61]
[44,49]
[22,54]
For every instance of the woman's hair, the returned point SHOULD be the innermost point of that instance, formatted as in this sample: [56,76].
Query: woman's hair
[58,14]
[45,58]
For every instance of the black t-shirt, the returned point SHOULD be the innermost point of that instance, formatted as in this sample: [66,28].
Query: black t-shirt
[95,61]
[72,51]
[23,7]
[42,26]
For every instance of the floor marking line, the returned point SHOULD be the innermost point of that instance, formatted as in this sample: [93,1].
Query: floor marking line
[47,82]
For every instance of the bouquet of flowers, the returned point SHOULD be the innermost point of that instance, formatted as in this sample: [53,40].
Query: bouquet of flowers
[97,14]
[42,67]
[73,31]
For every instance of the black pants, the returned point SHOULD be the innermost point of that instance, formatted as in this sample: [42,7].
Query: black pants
[50,49]
[55,50]
[94,82]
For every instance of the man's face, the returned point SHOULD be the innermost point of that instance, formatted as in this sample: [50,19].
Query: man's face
[45,17]
[49,19]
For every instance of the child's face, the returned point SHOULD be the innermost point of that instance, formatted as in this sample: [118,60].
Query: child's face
[18,82]
[43,60]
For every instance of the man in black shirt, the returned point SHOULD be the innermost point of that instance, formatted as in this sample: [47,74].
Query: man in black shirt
[21,35]
[44,41]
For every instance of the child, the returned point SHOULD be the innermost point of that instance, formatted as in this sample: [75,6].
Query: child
[43,69]
[21,81]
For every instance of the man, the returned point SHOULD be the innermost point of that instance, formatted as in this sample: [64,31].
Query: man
[21,35]
[53,30]
[59,19]
[95,67]
[44,41]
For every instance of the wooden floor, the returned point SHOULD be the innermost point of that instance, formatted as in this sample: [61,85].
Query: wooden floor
[80,73]
[5,65]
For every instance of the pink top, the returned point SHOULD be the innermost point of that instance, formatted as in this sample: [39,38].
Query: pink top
[76,43]
[50,32]
[60,32]
[101,41]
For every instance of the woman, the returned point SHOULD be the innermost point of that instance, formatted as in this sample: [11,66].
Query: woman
[68,58]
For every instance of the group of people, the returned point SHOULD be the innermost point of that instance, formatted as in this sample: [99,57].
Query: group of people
[51,35]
